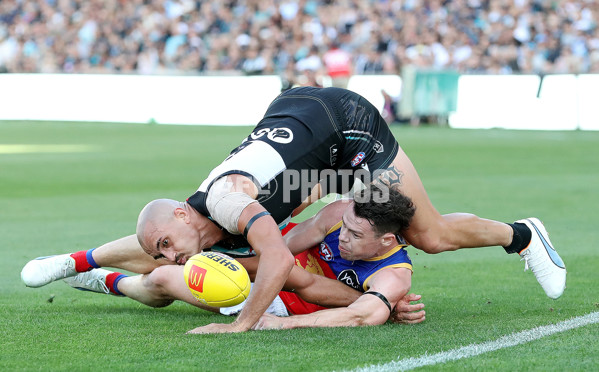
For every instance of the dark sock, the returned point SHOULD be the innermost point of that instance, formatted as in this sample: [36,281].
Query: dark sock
[521,239]
[112,281]
[84,261]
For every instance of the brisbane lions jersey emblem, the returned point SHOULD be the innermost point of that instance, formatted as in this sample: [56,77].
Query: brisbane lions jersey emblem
[325,252]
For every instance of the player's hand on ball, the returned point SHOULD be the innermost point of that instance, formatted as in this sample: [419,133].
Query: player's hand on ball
[268,321]
[408,313]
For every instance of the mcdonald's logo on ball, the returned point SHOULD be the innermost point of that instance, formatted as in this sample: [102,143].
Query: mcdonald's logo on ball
[216,279]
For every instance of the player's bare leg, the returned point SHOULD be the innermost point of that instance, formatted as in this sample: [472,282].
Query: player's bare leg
[124,253]
[159,288]
[429,230]
[435,233]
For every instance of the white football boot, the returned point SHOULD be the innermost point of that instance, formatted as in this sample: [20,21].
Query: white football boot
[543,260]
[44,270]
[93,281]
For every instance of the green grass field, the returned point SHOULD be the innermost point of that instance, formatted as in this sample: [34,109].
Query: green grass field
[66,187]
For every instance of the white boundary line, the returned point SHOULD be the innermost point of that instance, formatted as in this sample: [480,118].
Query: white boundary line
[477,349]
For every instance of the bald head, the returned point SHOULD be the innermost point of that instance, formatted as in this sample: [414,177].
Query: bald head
[155,214]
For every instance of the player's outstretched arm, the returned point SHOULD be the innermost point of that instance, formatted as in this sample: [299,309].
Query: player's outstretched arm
[275,263]
[368,309]
[312,288]
[320,290]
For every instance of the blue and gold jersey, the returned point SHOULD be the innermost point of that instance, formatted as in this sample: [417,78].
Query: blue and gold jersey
[326,260]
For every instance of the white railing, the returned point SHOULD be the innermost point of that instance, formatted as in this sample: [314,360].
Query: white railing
[561,102]
[557,102]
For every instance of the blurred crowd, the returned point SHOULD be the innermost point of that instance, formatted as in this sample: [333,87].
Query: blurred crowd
[306,38]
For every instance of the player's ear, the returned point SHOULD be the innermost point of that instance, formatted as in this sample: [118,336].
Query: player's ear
[388,240]
[181,213]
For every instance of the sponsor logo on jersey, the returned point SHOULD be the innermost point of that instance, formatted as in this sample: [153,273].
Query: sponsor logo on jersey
[358,159]
[325,252]
[259,133]
[350,278]
[378,147]
[281,135]
[278,135]
[334,152]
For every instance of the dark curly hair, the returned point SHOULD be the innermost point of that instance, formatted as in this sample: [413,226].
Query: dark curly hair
[387,210]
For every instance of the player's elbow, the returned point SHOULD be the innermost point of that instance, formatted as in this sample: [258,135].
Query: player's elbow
[286,260]
[299,281]
[361,319]
[358,317]
[366,313]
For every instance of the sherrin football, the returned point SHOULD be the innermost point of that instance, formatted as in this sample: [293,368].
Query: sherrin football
[216,279]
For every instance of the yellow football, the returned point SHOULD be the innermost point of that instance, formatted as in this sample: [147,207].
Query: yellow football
[216,279]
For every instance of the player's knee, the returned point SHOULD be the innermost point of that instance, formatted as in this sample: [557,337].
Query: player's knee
[430,244]
[156,283]
[435,239]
